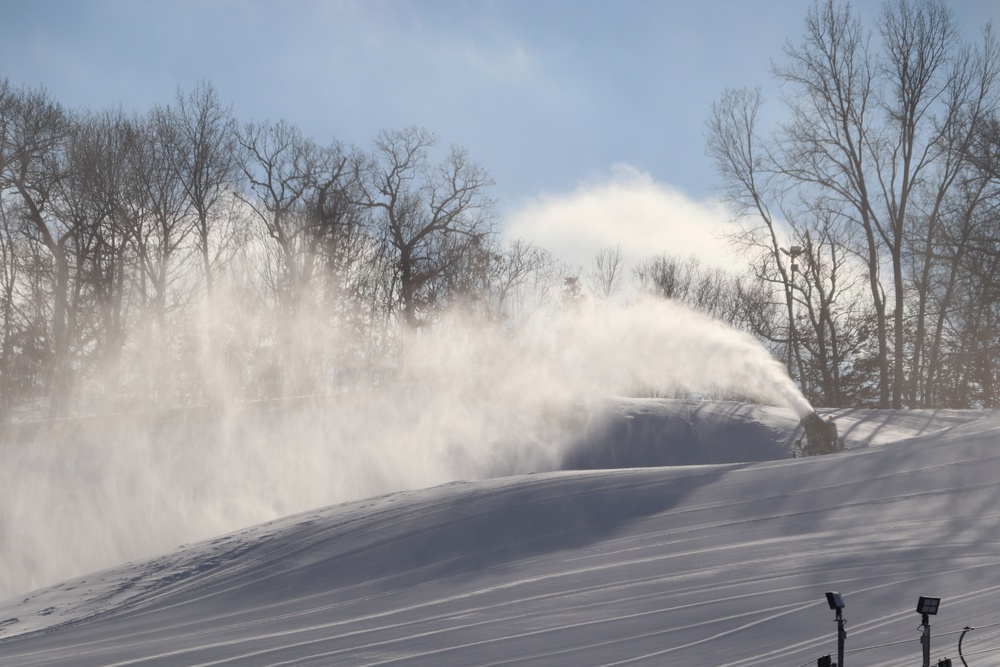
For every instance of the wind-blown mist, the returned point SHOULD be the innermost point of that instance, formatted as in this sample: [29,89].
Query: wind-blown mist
[473,401]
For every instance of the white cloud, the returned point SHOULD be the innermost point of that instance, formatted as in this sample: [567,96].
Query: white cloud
[628,209]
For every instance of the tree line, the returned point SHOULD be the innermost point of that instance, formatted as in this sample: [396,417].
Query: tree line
[872,209]
[181,256]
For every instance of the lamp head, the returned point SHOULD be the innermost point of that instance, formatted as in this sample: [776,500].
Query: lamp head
[835,600]
[928,605]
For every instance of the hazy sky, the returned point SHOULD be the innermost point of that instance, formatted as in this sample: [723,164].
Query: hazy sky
[588,114]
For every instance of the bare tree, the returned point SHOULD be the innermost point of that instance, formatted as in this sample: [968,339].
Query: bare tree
[826,143]
[34,130]
[10,265]
[607,273]
[874,145]
[428,214]
[526,279]
[203,153]
[872,129]
[163,226]
[752,178]
[711,290]
[303,198]
[100,194]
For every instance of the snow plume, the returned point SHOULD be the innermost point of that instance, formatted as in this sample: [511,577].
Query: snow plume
[470,400]
[625,208]
[648,348]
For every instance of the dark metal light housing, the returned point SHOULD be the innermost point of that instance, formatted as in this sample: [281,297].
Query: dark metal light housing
[928,605]
[836,600]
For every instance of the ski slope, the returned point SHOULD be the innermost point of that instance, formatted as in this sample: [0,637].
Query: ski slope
[704,561]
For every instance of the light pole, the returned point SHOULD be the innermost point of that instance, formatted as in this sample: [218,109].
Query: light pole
[836,602]
[793,253]
[927,607]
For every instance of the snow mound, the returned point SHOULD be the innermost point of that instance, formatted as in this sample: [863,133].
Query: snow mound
[636,433]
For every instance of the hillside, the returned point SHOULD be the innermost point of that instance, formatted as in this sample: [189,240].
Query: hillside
[713,562]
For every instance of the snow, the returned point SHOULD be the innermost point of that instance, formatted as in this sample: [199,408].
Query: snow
[691,538]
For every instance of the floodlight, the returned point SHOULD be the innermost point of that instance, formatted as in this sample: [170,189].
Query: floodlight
[836,602]
[928,605]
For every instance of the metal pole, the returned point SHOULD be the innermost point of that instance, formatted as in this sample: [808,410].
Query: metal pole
[841,637]
[925,639]
[792,333]
[967,628]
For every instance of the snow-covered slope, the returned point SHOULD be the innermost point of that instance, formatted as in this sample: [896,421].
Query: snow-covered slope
[721,564]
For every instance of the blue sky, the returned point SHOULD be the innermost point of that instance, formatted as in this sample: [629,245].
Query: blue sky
[558,99]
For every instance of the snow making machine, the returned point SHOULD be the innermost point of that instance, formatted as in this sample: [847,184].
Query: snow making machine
[821,436]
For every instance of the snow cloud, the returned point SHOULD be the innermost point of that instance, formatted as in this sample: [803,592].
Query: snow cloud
[628,209]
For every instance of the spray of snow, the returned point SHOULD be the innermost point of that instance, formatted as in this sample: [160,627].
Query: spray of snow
[472,400]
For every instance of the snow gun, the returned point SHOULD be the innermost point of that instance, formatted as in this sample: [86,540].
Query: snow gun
[821,436]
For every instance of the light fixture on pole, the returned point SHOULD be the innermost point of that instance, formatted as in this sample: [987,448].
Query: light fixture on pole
[793,253]
[927,607]
[836,602]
